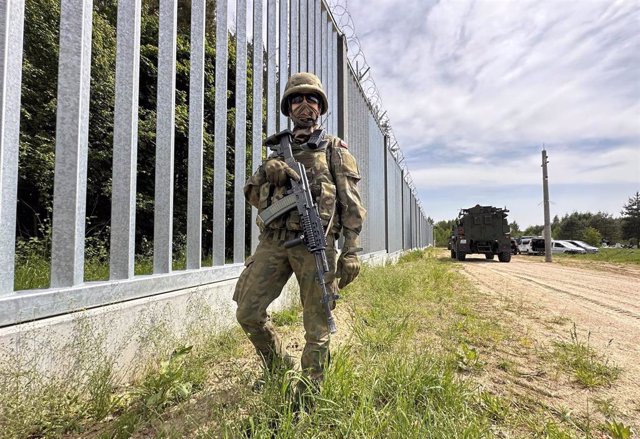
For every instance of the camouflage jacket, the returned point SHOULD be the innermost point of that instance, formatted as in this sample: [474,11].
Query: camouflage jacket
[333,176]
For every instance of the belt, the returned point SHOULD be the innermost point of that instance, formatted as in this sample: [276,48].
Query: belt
[281,234]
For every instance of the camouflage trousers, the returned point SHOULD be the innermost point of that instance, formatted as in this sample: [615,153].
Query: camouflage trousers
[261,282]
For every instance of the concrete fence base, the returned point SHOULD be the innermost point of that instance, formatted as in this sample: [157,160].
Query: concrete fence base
[130,334]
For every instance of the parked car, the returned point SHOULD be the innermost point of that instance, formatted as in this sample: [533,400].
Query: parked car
[524,244]
[537,246]
[566,247]
[584,245]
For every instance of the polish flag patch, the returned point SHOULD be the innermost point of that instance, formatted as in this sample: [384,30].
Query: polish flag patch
[344,144]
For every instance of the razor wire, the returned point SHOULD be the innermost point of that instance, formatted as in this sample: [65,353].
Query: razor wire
[358,61]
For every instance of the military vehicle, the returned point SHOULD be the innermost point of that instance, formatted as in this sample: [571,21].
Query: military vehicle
[481,229]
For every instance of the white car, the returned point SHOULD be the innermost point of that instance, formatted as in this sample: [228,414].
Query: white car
[584,245]
[525,245]
[566,247]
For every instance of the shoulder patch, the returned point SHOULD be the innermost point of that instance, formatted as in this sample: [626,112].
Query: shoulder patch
[344,144]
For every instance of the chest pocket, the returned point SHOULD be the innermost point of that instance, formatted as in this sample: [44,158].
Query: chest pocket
[322,186]
[268,195]
[326,202]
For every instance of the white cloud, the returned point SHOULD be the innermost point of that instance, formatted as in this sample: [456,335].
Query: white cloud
[503,72]
[474,88]
[566,166]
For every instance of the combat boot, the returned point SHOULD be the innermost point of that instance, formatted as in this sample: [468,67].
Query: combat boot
[305,394]
[273,367]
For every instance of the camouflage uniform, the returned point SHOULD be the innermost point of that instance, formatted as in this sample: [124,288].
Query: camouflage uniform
[333,175]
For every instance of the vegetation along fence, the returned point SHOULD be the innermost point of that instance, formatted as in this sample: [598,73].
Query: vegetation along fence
[147,135]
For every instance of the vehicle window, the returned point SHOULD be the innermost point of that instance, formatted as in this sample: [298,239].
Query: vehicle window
[477,220]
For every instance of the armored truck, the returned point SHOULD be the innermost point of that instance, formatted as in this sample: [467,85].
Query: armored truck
[481,229]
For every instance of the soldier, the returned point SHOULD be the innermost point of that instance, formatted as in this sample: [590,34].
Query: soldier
[333,175]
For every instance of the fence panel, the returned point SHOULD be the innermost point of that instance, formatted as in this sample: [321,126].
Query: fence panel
[285,36]
[125,141]
[283,61]
[258,92]
[72,132]
[196,134]
[317,28]
[303,23]
[406,215]
[272,105]
[376,218]
[294,35]
[240,157]
[165,138]
[394,199]
[11,27]
[358,140]
[220,161]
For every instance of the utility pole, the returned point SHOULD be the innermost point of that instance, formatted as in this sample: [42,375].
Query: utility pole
[547,221]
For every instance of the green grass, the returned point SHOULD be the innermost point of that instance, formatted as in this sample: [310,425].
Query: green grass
[387,381]
[85,394]
[287,317]
[175,380]
[618,430]
[589,368]
[406,367]
[617,255]
[35,272]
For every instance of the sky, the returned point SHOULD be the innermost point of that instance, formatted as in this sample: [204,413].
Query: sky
[474,89]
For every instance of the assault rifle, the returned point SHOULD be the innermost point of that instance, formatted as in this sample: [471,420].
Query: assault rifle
[299,197]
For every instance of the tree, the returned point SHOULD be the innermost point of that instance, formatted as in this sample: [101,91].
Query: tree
[592,237]
[442,232]
[631,219]
[38,120]
[610,228]
[38,115]
[555,224]
[570,227]
[515,229]
[533,231]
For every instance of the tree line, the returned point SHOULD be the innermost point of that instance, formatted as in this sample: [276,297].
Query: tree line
[38,124]
[593,228]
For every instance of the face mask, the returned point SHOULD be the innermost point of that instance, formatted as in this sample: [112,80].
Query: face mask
[304,116]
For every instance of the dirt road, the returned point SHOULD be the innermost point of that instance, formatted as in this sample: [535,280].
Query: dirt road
[546,300]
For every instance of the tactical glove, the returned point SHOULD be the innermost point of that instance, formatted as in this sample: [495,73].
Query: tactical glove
[278,172]
[348,268]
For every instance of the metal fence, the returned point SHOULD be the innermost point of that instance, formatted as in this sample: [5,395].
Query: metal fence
[296,35]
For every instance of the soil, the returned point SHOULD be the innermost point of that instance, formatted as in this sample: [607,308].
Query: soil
[544,303]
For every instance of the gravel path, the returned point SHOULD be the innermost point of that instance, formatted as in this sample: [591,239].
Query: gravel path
[603,300]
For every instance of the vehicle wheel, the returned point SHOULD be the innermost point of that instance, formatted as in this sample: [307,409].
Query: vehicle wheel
[489,255]
[461,256]
[504,257]
[453,254]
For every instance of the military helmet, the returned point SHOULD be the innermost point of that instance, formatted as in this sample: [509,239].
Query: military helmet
[304,83]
